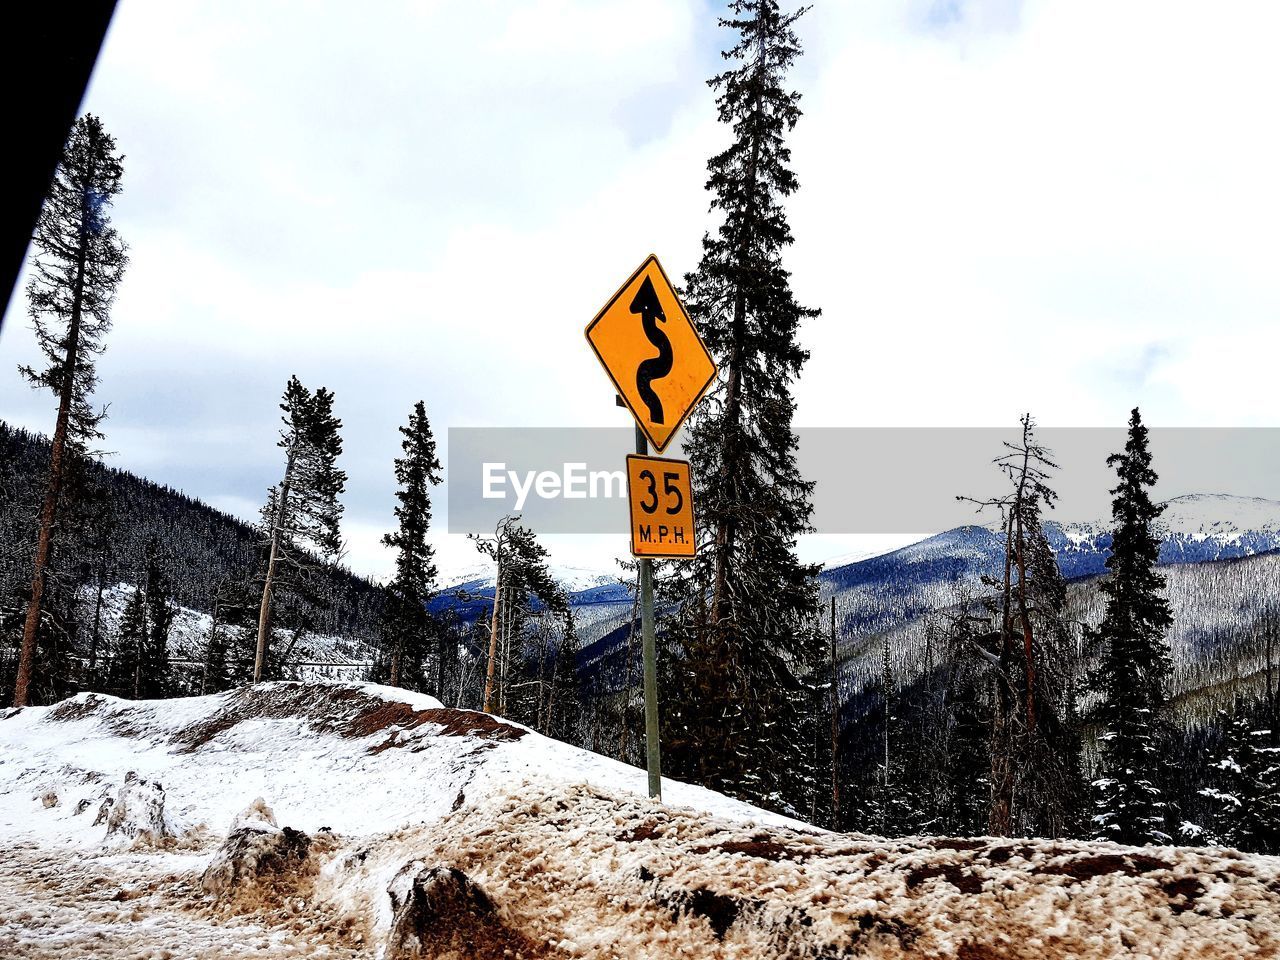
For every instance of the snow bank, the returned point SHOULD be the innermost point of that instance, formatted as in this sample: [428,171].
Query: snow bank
[365,822]
[586,872]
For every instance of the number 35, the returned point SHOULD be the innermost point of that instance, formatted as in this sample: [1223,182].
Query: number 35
[669,490]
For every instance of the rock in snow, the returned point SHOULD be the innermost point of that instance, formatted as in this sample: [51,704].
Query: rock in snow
[439,912]
[255,850]
[552,852]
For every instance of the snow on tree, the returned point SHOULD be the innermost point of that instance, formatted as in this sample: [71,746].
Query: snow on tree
[1036,787]
[407,625]
[153,663]
[139,667]
[520,581]
[738,704]
[124,670]
[78,264]
[1130,802]
[1246,785]
[302,515]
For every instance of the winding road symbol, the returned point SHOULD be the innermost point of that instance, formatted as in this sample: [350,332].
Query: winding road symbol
[655,368]
[657,363]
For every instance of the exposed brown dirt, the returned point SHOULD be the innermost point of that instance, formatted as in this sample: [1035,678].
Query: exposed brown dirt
[75,709]
[957,876]
[762,848]
[442,914]
[73,905]
[344,711]
[1096,865]
[955,843]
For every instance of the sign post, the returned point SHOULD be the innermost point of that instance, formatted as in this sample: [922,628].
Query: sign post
[660,391]
[649,651]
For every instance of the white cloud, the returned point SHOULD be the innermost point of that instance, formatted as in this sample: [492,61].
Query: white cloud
[1062,206]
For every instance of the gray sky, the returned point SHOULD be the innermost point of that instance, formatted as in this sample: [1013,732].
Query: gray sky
[1066,206]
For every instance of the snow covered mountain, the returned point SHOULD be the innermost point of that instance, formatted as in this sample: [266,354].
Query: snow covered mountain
[892,591]
[1193,528]
[917,577]
[572,579]
[599,598]
[355,821]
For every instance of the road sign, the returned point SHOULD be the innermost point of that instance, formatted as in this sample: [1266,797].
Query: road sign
[661,499]
[652,353]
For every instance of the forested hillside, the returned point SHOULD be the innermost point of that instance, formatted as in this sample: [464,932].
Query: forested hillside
[120,521]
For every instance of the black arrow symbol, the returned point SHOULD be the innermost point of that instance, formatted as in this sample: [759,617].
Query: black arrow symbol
[646,304]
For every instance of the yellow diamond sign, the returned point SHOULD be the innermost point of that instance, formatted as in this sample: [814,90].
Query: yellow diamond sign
[652,353]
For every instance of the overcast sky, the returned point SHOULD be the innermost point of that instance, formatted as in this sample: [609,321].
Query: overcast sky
[1069,207]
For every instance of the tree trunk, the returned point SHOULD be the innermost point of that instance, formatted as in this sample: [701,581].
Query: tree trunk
[208,650]
[97,626]
[396,658]
[835,726]
[1023,613]
[726,528]
[1000,821]
[493,639]
[57,465]
[264,611]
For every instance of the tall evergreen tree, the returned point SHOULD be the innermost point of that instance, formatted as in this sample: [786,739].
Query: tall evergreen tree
[564,706]
[78,264]
[966,769]
[407,625]
[738,703]
[1130,804]
[1246,785]
[154,660]
[124,674]
[302,515]
[1036,783]
[522,579]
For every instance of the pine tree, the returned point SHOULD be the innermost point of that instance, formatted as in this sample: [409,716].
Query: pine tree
[564,707]
[740,691]
[216,676]
[302,515]
[124,676]
[153,662]
[1246,786]
[966,769]
[521,579]
[79,261]
[1036,780]
[407,625]
[1133,677]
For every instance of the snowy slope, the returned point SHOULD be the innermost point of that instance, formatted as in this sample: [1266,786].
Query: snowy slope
[455,834]
[326,656]
[1217,517]
[1192,529]
[572,579]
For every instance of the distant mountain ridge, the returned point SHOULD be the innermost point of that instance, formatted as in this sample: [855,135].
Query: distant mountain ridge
[1193,528]
[881,593]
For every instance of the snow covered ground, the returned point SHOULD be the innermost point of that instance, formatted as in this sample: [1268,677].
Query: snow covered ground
[436,833]
[326,656]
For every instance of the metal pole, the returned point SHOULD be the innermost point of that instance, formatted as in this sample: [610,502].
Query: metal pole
[835,724]
[653,755]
